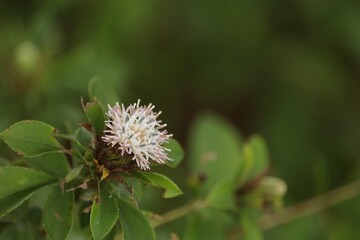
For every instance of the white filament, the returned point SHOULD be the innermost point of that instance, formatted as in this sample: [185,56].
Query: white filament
[136,131]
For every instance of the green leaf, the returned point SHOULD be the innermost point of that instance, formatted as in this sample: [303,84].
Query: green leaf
[82,140]
[73,174]
[99,88]
[58,214]
[134,224]
[111,234]
[198,228]
[176,154]
[7,204]
[103,215]
[256,159]
[30,138]
[18,231]
[54,163]
[222,195]
[4,162]
[95,114]
[19,179]
[83,137]
[250,230]
[215,150]
[159,180]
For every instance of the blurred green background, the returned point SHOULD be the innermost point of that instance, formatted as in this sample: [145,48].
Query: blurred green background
[288,70]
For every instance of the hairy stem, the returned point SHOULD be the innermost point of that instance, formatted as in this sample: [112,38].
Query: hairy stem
[179,212]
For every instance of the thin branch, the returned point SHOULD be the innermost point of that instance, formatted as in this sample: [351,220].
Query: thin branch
[179,212]
[271,220]
[311,206]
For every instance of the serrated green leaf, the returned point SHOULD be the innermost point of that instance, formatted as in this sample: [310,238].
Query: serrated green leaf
[159,180]
[13,201]
[54,163]
[58,214]
[256,159]
[21,179]
[134,224]
[215,150]
[104,215]
[30,138]
[95,114]
[221,195]
[176,154]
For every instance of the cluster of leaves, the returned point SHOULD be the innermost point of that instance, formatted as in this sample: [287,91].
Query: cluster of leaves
[71,189]
[230,176]
[79,189]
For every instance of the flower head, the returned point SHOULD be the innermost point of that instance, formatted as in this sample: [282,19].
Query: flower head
[136,131]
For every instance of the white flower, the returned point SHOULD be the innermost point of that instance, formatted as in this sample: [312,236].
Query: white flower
[137,132]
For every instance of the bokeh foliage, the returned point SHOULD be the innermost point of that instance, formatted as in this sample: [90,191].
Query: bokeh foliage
[286,69]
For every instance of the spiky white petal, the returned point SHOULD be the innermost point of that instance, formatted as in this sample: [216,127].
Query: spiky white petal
[136,131]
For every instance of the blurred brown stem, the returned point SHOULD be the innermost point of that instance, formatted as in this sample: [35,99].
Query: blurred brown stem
[179,212]
[310,206]
[286,215]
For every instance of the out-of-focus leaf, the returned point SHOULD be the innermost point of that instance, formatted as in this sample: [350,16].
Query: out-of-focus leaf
[135,186]
[4,162]
[221,195]
[250,230]
[30,138]
[83,137]
[83,215]
[58,214]
[159,180]
[215,150]
[176,154]
[100,89]
[95,114]
[18,231]
[73,174]
[7,204]
[198,228]
[53,163]
[134,224]
[21,179]
[305,228]
[103,215]
[256,159]
[111,234]
[35,216]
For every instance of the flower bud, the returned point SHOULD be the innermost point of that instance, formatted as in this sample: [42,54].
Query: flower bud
[272,186]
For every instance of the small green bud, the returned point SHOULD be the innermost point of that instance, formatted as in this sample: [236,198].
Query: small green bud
[268,194]
[272,187]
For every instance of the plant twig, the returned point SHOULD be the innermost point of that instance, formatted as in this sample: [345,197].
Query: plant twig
[310,206]
[271,220]
[179,212]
